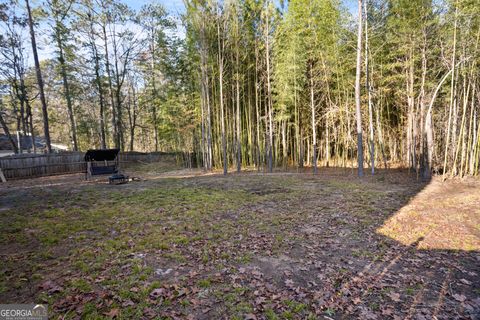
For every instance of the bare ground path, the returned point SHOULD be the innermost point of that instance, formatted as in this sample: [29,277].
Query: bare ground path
[186,245]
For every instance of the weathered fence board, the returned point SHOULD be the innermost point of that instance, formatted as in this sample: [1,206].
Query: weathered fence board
[37,165]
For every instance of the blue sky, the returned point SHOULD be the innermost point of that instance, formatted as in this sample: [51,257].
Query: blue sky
[172,6]
[176,6]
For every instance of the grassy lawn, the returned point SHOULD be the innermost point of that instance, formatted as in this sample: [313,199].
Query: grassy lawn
[249,246]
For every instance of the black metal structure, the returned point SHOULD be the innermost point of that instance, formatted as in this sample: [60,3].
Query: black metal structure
[117,178]
[101,161]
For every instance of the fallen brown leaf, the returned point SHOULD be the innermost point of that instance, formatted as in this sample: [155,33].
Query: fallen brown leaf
[112,313]
[394,296]
[459,297]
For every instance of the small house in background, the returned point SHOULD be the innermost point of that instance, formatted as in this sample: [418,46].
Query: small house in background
[26,145]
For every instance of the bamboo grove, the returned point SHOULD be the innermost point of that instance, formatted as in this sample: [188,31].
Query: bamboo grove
[253,83]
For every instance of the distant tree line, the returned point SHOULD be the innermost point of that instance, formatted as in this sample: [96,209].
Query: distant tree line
[252,82]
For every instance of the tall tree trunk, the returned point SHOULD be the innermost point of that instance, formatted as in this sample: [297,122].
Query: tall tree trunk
[202,123]
[38,72]
[314,132]
[154,88]
[257,111]
[98,82]
[206,100]
[66,86]
[103,139]
[269,93]
[297,116]
[358,110]
[118,90]
[369,93]
[209,124]
[425,164]
[133,118]
[238,124]
[222,116]
[116,141]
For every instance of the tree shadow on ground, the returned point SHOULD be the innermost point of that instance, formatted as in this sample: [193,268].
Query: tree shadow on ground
[384,246]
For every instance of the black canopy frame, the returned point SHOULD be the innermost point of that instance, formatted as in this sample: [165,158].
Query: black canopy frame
[101,162]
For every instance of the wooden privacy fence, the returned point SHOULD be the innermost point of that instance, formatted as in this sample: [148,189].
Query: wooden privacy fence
[37,165]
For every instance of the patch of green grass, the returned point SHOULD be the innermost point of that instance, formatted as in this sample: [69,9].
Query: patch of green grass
[225,255]
[90,311]
[81,285]
[374,306]
[180,239]
[245,258]
[287,315]
[271,315]
[175,256]
[204,283]
[82,266]
[50,238]
[295,307]
[185,303]
[243,308]
[46,254]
